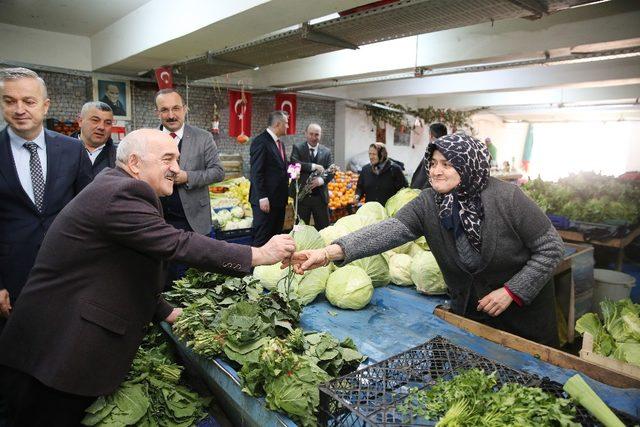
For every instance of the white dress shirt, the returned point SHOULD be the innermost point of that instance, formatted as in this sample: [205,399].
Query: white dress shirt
[178,133]
[22,156]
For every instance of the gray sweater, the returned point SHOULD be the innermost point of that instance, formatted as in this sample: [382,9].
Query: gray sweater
[520,247]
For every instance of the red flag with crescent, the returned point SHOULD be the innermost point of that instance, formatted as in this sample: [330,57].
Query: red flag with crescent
[239,113]
[288,102]
[164,77]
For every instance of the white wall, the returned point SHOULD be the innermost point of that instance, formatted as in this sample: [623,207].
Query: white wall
[31,46]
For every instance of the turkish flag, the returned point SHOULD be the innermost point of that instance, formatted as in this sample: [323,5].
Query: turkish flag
[164,77]
[239,113]
[288,102]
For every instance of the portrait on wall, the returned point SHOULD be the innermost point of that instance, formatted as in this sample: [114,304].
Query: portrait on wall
[116,94]
[402,136]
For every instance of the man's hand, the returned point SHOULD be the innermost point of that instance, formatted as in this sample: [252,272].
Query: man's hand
[318,168]
[5,303]
[306,260]
[173,315]
[181,177]
[264,205]
[495,303]
[275,250]
[315,182]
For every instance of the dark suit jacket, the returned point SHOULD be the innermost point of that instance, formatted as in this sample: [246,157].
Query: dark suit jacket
[96,285]
[22,227]
[420,180]
[117,108]
[300,154]
[106,158]
[268,173]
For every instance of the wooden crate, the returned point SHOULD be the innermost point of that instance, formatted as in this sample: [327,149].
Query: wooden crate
[232,165]
[623,368]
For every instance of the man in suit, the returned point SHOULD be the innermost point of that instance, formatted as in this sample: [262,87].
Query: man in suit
[96,121]
[40,172]
[313,157]
[111,97]
[420,180]
[189,206]
[96,285]
[268,193]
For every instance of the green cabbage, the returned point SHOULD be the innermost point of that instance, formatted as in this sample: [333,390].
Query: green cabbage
[602,341]
[313,284]
[376,268]
[349,287]
[332,232]
[307,237]
[426,274]
[628,352]
[270,275]
[400,199]
[422,242]
[415,249]
[400,269]
[352,223]
[373,210]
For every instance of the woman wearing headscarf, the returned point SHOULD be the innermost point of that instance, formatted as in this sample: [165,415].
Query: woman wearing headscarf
[497,250]
[381,178]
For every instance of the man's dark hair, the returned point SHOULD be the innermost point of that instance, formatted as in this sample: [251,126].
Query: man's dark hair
[165,92]
[277,116]
[437,130]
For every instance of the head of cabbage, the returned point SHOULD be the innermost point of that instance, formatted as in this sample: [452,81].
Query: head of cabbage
[426,274]
[307,237]
[270,275]
[376,268]
[400,199]
[374,210]
[400,269]
[349,287]
[332,232]
[313,283]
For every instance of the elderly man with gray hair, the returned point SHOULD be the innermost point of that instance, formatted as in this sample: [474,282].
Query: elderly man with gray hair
[96,285]
[96,121]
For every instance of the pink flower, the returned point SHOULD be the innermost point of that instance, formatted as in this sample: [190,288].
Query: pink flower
[294,170]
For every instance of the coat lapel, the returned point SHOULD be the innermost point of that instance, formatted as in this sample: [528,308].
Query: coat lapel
[273,146]
[54,157]
[186,147]
[8,169]
[488,232]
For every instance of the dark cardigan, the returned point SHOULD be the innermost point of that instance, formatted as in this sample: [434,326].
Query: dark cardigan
[520,248]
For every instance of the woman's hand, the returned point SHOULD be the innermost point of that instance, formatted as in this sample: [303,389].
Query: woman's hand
[307,260]
[495,302]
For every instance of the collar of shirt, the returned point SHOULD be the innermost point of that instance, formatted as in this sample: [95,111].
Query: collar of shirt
[315,149]
[178,133]
[18,141]
[273,135]
[93,155]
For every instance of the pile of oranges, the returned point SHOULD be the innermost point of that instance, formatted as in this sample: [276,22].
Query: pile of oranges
[342,189]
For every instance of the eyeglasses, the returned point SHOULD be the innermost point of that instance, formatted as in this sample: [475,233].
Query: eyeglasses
[175,109]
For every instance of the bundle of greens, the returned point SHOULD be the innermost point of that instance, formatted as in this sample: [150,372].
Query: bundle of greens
[618,336]
[588,197]
[289,371]
[471,399]
[150,396]
[224,290]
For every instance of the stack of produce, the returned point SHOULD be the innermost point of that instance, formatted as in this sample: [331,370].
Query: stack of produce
[231,193]
[470,399]
[588,197]
[152,394]
[232,219]
[618,335]
[233,318]
[342,189]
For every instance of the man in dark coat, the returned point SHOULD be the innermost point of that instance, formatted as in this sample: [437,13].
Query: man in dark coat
[96,121]
[40,172]
[96,285]
[313,157]
[269,180]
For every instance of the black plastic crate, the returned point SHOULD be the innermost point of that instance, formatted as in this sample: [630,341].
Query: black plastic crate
[369,397]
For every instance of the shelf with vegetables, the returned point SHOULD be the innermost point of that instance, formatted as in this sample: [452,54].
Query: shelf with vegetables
[230,207]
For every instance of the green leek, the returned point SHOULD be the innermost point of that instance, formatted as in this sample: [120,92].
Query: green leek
[580,391]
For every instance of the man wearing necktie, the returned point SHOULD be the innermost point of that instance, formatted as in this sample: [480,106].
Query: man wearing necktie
[269,181]
[189,207]
[40,172]
[313,157]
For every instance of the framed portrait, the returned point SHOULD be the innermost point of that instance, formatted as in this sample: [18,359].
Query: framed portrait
[116,94]
[402,136]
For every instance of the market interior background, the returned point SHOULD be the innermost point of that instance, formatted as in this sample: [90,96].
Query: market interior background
[562,74]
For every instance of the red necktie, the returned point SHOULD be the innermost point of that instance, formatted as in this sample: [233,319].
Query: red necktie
[281,149]
[173,135]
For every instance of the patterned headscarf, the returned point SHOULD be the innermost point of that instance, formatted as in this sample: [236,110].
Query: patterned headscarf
[470,158]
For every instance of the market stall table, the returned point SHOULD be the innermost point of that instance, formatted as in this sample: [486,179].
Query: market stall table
[395,320]
[618,243]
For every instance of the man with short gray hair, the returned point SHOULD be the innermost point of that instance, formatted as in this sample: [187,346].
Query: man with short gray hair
[268,193]
[40,172]
[96,121]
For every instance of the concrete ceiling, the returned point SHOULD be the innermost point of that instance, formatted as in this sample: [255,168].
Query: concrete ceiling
[79,17]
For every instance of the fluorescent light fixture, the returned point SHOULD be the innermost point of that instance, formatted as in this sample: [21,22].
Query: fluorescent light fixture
[324,18]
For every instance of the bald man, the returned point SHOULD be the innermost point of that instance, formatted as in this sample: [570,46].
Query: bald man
[96,284]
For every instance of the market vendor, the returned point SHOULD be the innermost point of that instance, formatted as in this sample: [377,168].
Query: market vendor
[381,178]
[497,250]
[96,285]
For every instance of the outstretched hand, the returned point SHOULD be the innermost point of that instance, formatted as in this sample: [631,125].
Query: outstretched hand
[306,260]
[278,248]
